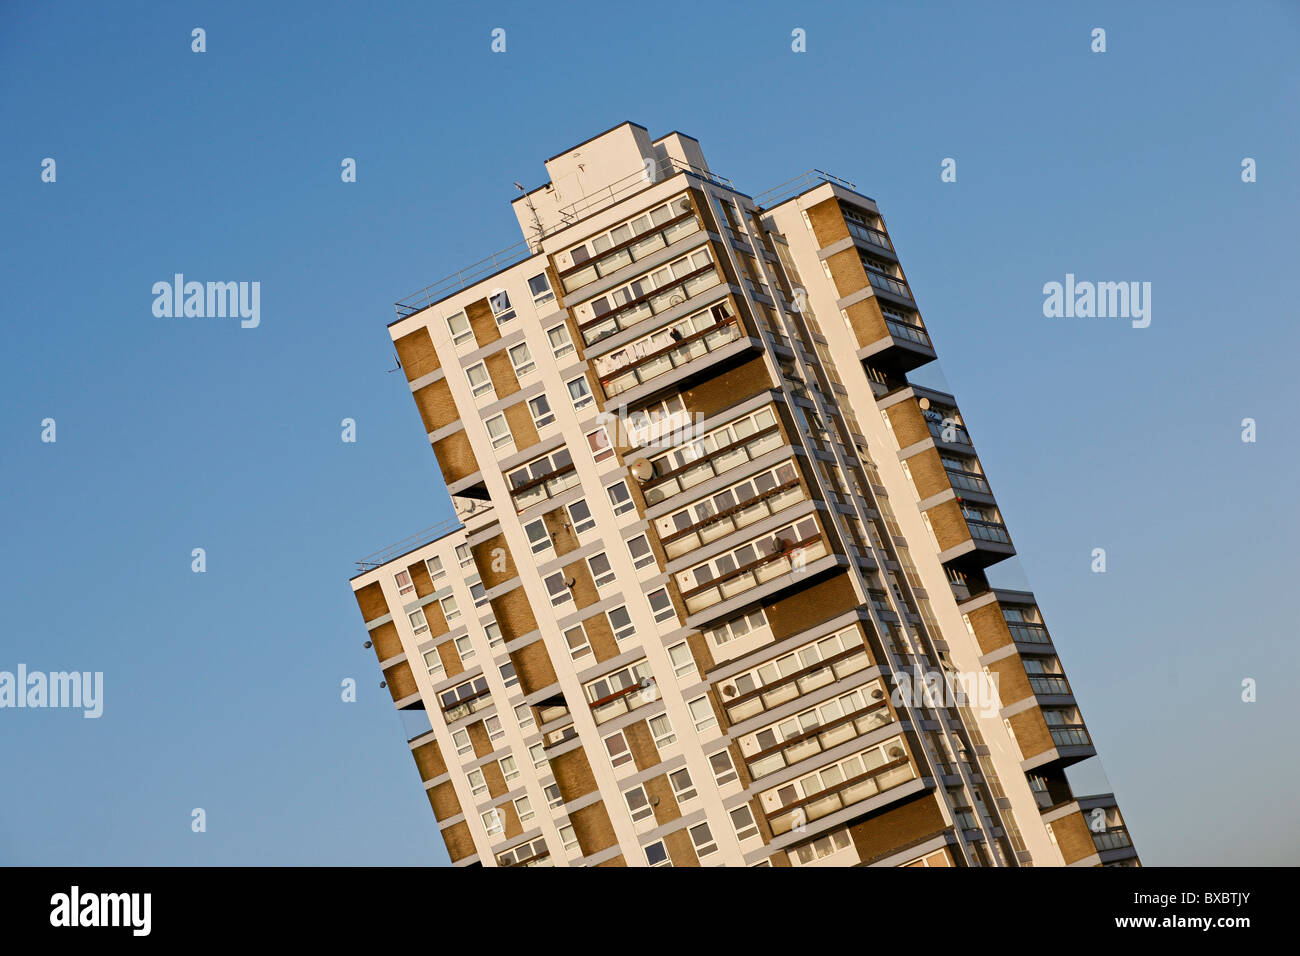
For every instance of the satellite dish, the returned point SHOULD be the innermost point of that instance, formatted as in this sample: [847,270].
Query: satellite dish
[642,470]
[728,690]
[924,403]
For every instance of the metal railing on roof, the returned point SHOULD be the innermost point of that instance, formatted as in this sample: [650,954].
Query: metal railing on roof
[568,215]
[800,184]
[419,539]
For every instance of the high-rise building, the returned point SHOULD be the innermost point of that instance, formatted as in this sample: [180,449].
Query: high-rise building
[715,593]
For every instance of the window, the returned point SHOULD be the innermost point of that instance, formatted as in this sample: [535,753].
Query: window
[493,633]
[542,478]
[521,359]
[524,716]
[579,392]
[499,431]
[540,409]
[576,638]
[524,809]
[508,675]
[463,555]
[464,647]
[580,516]
[737,627]
[418,622]
[656,855]
[682,660]
[702,838]
[539,539]
[449,609]
[404,583]
[477,591]
[494,821]
[477,783]
[823,846]
[433,664]
[639,549]
[661,605]
[618,750]
[540,289]
[683,786]
[538,754]
[480,382]
[474,689]
[702,713]
[464,746]
[460,329]
[661,729]
[602,572]
[561,344]
[493,726]
[501,308]
[558,589]
[599,446]
[554,798]
[742,821]
[434,565]
[568,837]
[724,771]
[621,622]
[620,497]
[638,804]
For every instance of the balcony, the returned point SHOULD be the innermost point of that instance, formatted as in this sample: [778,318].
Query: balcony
[633,249]
[713,455]
[599,319]
[883,282]
[855,779]
[819,739]
[727,513]
[784,554]
[627,368]
[1090,831]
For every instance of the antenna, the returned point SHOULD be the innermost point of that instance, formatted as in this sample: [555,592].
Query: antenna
[536,242]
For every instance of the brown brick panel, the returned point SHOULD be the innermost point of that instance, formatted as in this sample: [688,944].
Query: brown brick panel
[720,393]
[644,752]
[502,373]
[420,578]
[990,627]
[928,473]
[601,637]
[702,652]
[573,774]
[401,682]
[513,826]
[437,408]
[443,800]
[478,736]
[418,356]
[495,779]
[428,760]
[1013,682]
[520,422]
[592,827]
[1031,733]
[1073,837]
[892,827]
[827,222]
[808,607]
[455,457]
[436,620]
[533,666]
[459,842]
[387,643]
[493,561]
[483,322]
[666,810]
[908,423]
[514,614]
[949,524]
[584,587]
[451,662]
[372,602]
[680,850]
[867,322]
[847,272]
[558,527]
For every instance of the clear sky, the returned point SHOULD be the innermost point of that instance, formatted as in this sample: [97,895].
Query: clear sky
[222,689]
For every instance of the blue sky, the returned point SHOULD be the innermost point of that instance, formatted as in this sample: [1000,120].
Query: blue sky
[222,688]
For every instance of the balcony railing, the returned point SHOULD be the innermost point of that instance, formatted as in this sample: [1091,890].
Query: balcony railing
[725,458]
[1048,684]
[674,356]
[651,303]
[879,601]
[819,739]
[1028,632]
[909,333]
[869,234]
[753,574]
[626,253]
[796,684]
[942,430]
[888,283]
[851,791]
[993,531]
[1070,735]
[623,701]
[968,481]
[738,516]
[1112,838]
